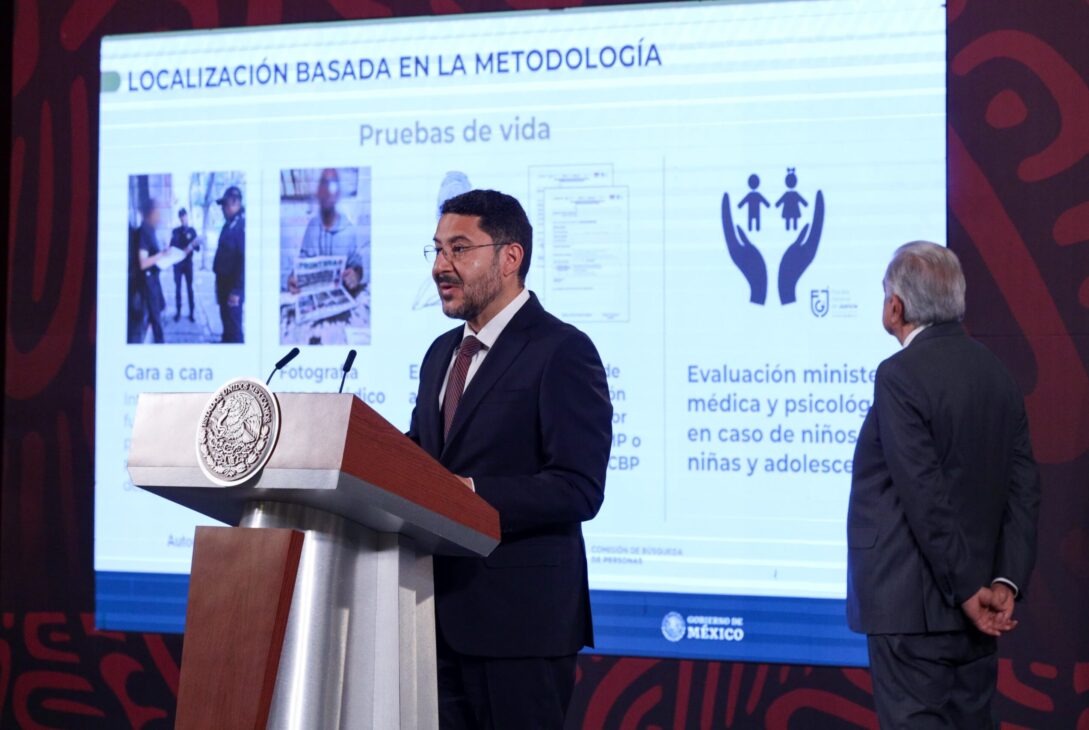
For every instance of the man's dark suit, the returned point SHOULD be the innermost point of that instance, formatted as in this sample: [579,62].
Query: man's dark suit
[533,431]
[944,499]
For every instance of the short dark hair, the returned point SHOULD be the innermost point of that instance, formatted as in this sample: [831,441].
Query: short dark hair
[146,206]
[501,217]
[182,212]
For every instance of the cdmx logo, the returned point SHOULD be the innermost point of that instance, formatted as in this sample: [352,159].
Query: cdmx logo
[747,257]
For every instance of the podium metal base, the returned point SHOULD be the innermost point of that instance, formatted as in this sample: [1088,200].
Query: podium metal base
[359,649]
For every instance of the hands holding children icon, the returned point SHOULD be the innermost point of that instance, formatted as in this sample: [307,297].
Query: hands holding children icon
[794,263]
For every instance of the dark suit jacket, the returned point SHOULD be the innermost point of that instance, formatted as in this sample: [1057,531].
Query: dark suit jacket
[533,430]
[945,492]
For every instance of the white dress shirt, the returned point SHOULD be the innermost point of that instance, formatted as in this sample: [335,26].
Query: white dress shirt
[487,335]
[913,334]
[907,341]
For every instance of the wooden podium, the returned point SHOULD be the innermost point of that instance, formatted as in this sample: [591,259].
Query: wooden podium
[318,610]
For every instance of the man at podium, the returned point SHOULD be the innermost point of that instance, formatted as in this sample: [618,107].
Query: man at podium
[515,401]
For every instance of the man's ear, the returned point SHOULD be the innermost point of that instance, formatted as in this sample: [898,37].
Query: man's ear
[897,310]
[512,258]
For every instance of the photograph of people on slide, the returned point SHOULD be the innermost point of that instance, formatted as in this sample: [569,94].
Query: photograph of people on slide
[198,240]
[325,256]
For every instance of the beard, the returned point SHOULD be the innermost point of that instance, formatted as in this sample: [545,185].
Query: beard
[475,297]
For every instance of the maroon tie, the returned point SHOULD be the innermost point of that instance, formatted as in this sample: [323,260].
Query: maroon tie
[455,385]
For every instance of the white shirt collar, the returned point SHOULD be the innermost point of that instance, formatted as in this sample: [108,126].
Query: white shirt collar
[490,332]
[913,334]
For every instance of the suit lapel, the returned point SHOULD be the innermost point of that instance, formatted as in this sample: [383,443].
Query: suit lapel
[502,355]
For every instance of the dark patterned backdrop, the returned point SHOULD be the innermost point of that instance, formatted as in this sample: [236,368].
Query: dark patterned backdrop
[1018,217]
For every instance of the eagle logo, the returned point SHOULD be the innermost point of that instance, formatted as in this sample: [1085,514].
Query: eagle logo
[237,431]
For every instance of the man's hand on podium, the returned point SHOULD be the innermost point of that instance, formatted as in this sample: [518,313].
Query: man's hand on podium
[468,481]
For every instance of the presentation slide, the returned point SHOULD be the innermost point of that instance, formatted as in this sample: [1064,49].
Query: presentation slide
[715,191]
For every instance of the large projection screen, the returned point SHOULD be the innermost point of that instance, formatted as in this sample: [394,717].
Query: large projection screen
[715,190]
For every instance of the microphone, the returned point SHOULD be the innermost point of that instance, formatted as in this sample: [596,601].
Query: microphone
[283,361]
[347,369]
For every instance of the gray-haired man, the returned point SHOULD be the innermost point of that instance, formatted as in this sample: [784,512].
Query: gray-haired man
[941,529]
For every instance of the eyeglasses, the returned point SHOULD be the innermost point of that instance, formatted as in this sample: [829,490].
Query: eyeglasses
[453,253]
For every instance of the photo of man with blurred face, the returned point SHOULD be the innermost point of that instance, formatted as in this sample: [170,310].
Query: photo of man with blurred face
[331,233]
[150,253]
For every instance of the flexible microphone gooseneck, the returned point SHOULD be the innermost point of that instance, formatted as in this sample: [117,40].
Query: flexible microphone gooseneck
[347,369]
[283,361]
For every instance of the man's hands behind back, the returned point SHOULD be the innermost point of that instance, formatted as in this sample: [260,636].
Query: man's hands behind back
[991,610]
